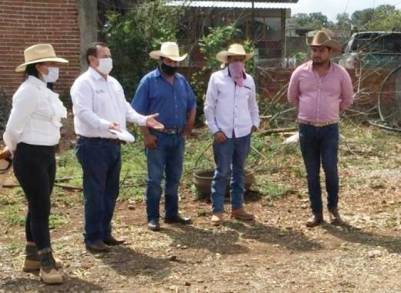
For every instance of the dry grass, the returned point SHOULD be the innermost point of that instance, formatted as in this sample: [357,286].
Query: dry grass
[275,254]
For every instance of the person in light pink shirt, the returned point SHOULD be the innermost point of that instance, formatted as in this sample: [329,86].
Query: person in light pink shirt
[321,90]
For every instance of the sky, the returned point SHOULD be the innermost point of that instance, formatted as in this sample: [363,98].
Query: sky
[331,8]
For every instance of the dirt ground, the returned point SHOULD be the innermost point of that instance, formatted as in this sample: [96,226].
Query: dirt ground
[277,253]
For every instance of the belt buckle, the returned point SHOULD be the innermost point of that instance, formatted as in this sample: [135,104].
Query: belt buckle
[171,131]
[326,123]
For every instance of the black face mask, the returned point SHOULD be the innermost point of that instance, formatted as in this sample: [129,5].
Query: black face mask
[168,70]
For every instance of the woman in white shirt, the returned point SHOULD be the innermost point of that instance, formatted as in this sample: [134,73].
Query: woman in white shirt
[32,132]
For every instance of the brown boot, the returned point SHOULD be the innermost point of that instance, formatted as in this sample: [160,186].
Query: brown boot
[335,218]
[48,273]
[242,215]
[315,220]
[97,246]
[217,219]
[32,261]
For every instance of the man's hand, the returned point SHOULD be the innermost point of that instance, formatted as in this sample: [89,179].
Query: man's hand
[151,122]
[115,126]
[187,131]
[219,137]
[254,128]
[150,141]
[5,154]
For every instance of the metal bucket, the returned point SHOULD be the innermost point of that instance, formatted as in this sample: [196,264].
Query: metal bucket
[202,180]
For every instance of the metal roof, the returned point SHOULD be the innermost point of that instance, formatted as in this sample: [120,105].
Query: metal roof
[230,4]
[266,1]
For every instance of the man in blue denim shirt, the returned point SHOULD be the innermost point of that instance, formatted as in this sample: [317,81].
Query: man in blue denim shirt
[167,93]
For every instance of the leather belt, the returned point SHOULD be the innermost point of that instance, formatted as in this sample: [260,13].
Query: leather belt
[169,130]
[109,140]
[317,124]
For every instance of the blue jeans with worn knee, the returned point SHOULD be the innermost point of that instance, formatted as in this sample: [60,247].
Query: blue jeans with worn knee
[101,164]
[164,162]
[319,146]
[229,157]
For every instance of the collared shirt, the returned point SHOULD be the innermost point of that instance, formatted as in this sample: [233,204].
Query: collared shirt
[320,98]
[172,101]
[35,115]
[97,102]
[229,107]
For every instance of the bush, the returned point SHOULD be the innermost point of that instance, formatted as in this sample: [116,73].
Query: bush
[132,36]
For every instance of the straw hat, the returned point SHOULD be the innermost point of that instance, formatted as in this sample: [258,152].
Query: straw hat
[168,50]
[323,38]
[233,50]
[39,53]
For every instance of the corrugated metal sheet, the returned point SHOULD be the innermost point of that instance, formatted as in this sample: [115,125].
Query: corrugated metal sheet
[230,4]
[272,1]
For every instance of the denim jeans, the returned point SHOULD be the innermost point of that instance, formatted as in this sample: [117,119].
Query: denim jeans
[101,164]
[164,162]
[230,159]
[35,169]
[320,144]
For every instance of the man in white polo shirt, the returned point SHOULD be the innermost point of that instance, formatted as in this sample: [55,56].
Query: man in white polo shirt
[232,114]
[99,105]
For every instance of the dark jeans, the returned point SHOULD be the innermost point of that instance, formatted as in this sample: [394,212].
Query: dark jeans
[101,164]
[320,144]
[35,169]
[230,159]
[164,162]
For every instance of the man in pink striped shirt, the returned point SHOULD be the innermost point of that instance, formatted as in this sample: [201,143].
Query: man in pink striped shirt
[321,89]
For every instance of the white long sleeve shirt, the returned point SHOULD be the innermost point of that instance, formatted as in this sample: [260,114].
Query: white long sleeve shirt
[97,102]
[35,115]
[230,108]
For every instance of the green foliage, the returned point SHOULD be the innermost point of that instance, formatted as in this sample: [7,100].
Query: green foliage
[386,18]
[132,36]
[217,40]
[314,20]
[361,17]
[14,215]
[300,57]
[381,18]
[57,220]
[273,190]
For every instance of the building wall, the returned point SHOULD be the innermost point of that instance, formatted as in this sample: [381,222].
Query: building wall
[26,22]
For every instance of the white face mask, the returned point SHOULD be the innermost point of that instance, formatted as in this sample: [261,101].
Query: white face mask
[52,75]
[105,65]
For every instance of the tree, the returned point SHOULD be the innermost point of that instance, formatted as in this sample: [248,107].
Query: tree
[315,20]
[362,17]
[133,35]
[343,21]
[343,26]
[386,18]
[383,17]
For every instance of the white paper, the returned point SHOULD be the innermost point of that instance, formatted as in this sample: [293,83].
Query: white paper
[123,135]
